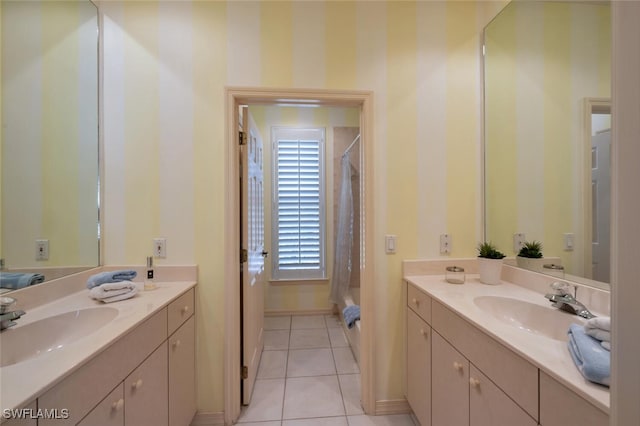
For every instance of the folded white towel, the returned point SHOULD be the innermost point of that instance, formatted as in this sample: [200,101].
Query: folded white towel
[113,292]
[606,345]
[599,328]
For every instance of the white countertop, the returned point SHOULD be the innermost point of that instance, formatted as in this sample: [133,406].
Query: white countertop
[21,383]
[549,355]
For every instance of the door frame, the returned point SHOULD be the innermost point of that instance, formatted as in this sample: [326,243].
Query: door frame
[235,96]
[591,106]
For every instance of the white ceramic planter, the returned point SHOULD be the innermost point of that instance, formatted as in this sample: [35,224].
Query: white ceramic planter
[490,270]
[532,264]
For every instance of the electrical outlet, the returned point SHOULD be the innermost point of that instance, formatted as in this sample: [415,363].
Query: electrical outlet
[445,244]
[160,247]
[42,249]
[518,242]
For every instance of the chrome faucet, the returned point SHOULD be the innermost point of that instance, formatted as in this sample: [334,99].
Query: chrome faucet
[565,301]
[7,317]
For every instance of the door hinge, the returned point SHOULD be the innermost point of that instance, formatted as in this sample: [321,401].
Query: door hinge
[245,372]
[244,255]
[241,138]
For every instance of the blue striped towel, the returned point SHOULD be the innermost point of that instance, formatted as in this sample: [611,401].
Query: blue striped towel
[110,277]
[351,314]
[593,361]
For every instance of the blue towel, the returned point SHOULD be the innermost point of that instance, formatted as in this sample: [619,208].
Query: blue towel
[110,277]
[593,361]
[16,280]
[351,314]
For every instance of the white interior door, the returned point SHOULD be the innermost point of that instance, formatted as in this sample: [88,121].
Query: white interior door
[601,203]
[252,245]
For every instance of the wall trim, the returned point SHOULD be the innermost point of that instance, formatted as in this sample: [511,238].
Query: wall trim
[392,406]
[233,98]
[208,419]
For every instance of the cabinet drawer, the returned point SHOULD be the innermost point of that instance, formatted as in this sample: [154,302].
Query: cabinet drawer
[180,310]
[419,302]
[110,412]
[560,406]
[514,375]
[83,389]
[492,407]
[419,367]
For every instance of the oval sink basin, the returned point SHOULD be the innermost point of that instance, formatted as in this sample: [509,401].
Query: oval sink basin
[536,319]
[51,334]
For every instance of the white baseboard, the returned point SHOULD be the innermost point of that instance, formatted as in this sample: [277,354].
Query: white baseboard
[208,419]
[392,406]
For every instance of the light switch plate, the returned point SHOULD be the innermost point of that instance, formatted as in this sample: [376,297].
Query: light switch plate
[160,247]
[568,241]
[445,244]
[518,242]
[42,249]
[390,243]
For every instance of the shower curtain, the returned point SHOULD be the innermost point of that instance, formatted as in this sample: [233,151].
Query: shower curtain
[344,236]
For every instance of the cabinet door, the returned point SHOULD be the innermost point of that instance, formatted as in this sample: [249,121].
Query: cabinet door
[419,367]
[182,374]
[146,391]
[450,384]
[109,412]
[489,406]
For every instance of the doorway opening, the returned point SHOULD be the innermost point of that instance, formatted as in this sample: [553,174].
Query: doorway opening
[261,98]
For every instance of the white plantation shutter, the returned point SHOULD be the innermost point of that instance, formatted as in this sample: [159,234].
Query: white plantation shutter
[298,204]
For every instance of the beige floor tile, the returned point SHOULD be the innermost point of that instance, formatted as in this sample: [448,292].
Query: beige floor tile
[333,321]
[266,402]
[307,397]
[338,338]
[350,387]
[310,362]
[307,321]
[322,421]
[395,420]
[345,362]
[275,340]
[309,339]
[277,323]
[273,365]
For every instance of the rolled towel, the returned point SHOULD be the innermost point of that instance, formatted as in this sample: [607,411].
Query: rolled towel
[593,361]
[110,277]
[112,292]
[599,328]
[351,314]
[16,280]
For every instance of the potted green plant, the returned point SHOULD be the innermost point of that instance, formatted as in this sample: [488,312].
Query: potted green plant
[489,263]
[530,255]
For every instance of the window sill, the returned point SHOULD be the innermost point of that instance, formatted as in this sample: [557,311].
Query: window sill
[306,281]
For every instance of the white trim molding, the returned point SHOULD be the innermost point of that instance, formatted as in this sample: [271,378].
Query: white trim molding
[208,419]
[392,406]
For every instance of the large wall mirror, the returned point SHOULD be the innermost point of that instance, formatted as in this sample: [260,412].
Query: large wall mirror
[49,94]
[547,71]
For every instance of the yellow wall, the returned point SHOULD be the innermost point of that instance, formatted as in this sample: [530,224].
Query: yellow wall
[166,65]
[542,61]
[49,132]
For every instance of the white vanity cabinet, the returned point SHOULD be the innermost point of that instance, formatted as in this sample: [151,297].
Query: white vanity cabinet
[560,406]
[146,377]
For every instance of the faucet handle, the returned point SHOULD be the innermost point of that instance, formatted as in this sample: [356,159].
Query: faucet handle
[562,288]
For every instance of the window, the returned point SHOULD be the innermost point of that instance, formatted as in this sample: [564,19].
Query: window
[298,216]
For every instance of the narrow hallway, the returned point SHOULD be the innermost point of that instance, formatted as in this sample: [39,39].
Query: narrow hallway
[309,377]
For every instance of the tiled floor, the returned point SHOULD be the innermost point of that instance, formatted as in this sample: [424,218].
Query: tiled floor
[308,377]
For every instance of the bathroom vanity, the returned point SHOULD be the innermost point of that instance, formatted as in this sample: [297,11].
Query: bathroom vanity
[485,355]
[136,369]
